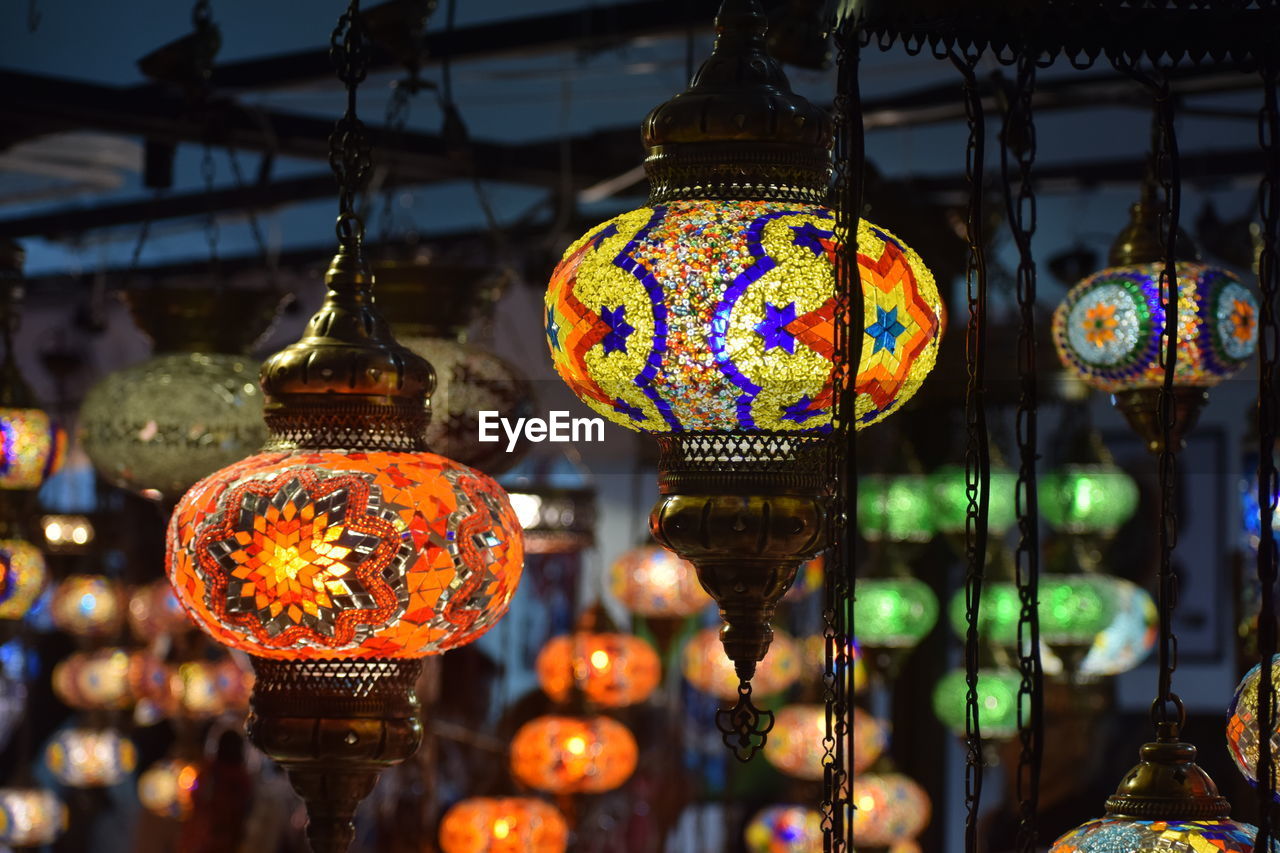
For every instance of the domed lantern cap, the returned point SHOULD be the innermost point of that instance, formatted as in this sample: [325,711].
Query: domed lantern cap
[1168,785]
[738,132]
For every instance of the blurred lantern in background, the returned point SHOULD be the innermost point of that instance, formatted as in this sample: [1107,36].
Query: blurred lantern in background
[573,755]
[1242,726]
[997,701]
[13,704]
[1129,638]
[796,744]
[503,825]
[652,581]
[24,574]
[30,817]
[707,668]
[611,670]
[154,611]
[1090,499]
[555,520]
[785,829]
[94,680]
[813,655]
[894,612]
[949,507]
[157,427]
[67,534]
[90,758]
[809,579]
[890,809]
[88,605]
[896,508]
[168,787]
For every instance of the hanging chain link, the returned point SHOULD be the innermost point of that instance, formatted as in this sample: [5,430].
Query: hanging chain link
[1268,346]
[350,154]
[1019,139]
[977,446]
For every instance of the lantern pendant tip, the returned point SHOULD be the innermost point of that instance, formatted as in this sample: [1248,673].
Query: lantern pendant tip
[744,726]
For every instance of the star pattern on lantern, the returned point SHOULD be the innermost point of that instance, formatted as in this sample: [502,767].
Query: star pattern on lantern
[813,238]
[1100,324]
[886,330]
[1243,320]
[615,340]
[553,328]
[603,234]
[774,327]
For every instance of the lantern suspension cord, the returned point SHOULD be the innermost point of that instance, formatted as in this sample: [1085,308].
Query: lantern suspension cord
[977,447]
[1268,345]
[350,156]
[1019,139]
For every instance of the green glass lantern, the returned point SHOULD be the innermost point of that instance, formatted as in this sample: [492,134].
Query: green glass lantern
[1088,499]
[997,701]
[997,616]
[1073,610]
[895,508]
[950,493]
[894,612]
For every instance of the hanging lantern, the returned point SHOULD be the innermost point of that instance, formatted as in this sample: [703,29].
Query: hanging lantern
[997,701]
[896,508]
[949,507]
[610,670]
[554,520]
[90,758]
[573,755]
[30,817]
[651,581]
[94,680]
[890,809]
[813,654]
[708,319]
[22,577]
[785,829]
[88,605]
[1130,637]
[67,534]
[168,787]
[705,666]
[1157,836]
[893,613]
[1108,329]
[1242,726]
[796,744]
[1093,499]
[503,825]
[157,427]
[154,610]
[431,307]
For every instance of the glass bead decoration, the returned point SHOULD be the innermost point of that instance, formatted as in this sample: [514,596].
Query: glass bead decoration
[997,701]
[950,493]
[653,582]
[503,825]
[32,447]
[23,569]
[1108,329]
[158,427]
[710,670]
[611,670]
[1117,835]
[573,755]
[333,554]
[88,605]
[1087,498]
[720,315]
[785,829]
[795,745]
[1128,640]
[168,787]
[894,612]
[30,817]
[896,508]
[90,758]
[1242,723]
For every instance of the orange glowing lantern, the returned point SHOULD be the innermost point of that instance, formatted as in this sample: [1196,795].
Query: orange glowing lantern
[652,581]
[503,825]
[573,755]
[709,669]
[796,744]
[167,788]
[610,670]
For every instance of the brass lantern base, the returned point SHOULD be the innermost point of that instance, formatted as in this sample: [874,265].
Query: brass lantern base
[334,726]
[1141,407]
[1168,785]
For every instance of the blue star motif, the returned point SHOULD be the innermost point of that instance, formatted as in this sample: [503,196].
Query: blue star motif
[607,231]
[553,329]
[885,330]
[619,329]
[621,405]
[810,236]
[774,327]
[800,411]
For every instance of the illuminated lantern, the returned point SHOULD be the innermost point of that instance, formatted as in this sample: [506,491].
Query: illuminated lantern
[90,758]
[1157,836]
[708,319]
[343,553]
[1242,725]
[950,504]
[573,755]
[30,817]
[503,825]
[796,747]
[88,605]
[1096,499]
[609,669]
[167,788]
[431,307]
[154,610]
[785,829]
[1108,329]
[94,680]
[651,581]
[706,667]
[1129,638]
[555,520]
[67,534]
[890,809]
[894,612]
[24,575]
[997,701]
[896,509]
[157,427]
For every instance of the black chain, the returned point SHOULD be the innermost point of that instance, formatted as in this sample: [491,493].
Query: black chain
[350,155]
[1019,138]
[977,446]
[1268,345]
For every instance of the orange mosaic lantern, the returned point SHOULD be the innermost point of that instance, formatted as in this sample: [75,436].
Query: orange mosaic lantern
[795,745]
[168,787]
[709,669]
[573,755]
[652,581]
[503,825]
[609,669]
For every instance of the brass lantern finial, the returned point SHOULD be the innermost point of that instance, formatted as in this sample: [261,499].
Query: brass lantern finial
[1168,785]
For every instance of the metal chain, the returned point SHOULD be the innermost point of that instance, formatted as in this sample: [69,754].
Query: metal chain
[1019,137]
[396,119]
[212,231]
[977,446]
[350,155]
[1268,346]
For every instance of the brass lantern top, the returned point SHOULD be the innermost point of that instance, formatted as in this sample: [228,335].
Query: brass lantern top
[739,132]
[1168,785]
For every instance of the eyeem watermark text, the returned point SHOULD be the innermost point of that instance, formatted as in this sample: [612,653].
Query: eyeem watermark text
[558,427]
